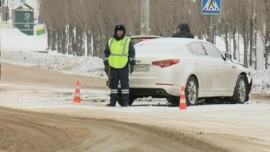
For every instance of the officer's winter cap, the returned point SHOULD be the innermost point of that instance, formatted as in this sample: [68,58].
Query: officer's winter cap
[120,27]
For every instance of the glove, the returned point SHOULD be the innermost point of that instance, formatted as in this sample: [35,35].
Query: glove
[106,69]
[131,68]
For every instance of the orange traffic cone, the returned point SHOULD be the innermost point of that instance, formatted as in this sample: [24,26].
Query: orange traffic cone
[182,103]
[77,96]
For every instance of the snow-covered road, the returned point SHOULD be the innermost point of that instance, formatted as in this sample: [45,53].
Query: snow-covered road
[234,127]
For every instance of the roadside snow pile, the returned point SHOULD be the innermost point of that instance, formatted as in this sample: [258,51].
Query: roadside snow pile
[90,66]
[22,49]
[14,40]
[261,82]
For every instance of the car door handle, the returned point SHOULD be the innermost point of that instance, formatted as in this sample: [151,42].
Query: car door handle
[233,67]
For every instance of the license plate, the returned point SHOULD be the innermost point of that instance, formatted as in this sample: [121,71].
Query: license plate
[142,67]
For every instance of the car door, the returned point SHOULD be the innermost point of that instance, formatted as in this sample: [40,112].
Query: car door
[202,69]
[222,70]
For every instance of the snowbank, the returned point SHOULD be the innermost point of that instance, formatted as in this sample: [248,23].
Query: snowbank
[90,66]
[14,40]
[261,81]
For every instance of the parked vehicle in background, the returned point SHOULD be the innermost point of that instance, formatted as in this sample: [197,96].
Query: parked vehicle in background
[164,65]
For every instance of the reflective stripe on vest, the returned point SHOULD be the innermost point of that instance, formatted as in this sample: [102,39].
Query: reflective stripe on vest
[118,52]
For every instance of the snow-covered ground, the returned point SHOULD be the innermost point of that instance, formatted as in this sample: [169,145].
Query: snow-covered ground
[18,48]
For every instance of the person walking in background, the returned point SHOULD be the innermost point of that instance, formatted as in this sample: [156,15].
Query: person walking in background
[119,60]
[183,30]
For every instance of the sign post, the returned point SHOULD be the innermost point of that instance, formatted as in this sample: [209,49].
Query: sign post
[211,7]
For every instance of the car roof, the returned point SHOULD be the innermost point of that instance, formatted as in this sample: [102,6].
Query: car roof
[174,41]
[181,41]
[145,36]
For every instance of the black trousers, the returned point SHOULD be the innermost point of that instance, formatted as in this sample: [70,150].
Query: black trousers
[122,75]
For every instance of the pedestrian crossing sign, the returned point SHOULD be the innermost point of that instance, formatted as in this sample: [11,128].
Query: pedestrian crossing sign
[211,7]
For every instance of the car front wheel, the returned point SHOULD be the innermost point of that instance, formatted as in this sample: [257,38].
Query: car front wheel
[240,91]
[191,91]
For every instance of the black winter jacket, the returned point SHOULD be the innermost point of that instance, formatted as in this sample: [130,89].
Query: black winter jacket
[183,34]
[184,31]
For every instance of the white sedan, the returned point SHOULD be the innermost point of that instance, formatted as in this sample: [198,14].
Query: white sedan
[165,65]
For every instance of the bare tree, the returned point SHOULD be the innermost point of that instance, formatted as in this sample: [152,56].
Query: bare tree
[266,12]
[71,24]
[242,22]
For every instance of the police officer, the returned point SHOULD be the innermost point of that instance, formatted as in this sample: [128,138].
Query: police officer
[120,60]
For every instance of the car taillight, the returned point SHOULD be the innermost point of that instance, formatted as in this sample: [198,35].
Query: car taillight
[166,63]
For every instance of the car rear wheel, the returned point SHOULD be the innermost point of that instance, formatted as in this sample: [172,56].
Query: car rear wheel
[240,91]
[121,102]
[191,91]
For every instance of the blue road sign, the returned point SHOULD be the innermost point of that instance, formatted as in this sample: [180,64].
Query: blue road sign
[211,7]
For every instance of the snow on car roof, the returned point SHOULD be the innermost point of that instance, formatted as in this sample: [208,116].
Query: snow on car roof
[181,41]
[151,36]
[165,46]
[176,41]
[169,42]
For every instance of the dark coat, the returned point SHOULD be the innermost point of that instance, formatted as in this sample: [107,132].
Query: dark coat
[183,34]
[184,31]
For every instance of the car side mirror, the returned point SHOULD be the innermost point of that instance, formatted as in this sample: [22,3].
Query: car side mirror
[228,56]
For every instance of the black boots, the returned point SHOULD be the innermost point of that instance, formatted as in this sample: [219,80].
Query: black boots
[110,105]
[113,105]
[126,104]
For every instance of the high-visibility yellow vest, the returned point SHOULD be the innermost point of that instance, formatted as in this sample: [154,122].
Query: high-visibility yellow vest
[118,52]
